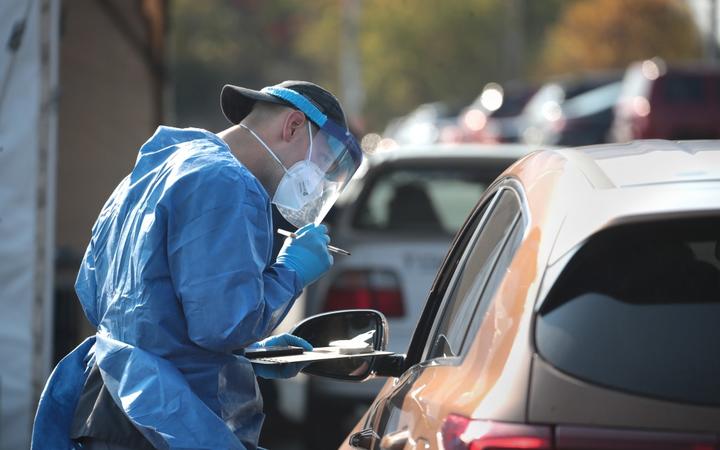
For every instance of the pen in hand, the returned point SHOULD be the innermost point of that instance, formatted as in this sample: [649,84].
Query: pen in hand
[330,247]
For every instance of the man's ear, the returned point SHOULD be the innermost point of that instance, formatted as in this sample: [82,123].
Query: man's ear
[294,122]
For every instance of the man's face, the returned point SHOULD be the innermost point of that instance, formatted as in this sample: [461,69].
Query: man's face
[325,152]
[322,154]
[301,144]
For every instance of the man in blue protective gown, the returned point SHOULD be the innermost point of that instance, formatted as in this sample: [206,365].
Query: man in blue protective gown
[178,277]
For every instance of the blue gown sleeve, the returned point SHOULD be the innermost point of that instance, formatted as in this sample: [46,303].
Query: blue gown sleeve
[86,286]
[218,246]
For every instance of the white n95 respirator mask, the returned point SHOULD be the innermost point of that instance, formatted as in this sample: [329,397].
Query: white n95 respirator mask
[301,193]
[310,187]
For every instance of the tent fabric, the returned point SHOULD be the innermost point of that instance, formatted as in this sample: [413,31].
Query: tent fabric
[19,121]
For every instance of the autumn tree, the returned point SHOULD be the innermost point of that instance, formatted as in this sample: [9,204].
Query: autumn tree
[412,51]
[245,42]
[605,34]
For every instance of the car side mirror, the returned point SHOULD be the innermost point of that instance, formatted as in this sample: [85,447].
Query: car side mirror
[324,328]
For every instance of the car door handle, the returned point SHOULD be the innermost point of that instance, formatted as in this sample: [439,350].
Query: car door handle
[363,438]
[396,440]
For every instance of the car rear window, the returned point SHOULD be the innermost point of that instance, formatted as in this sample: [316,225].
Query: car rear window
[593,101]
[422,199]
[678,89]
[637,309]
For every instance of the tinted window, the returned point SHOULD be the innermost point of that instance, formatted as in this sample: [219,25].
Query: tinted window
[497,275]
[513,103]
[429,200]
[471,277]
[548,94]
[683,89]
[638,309]
[593,101]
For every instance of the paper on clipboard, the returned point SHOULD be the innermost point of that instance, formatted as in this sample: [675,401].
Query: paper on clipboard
[317,354]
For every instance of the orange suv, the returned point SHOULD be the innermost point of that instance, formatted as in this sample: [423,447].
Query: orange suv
[577,308]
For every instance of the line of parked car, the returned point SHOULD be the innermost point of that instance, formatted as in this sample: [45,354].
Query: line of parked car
[649,100]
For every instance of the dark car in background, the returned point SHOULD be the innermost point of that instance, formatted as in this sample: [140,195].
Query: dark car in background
[543,116]
[423,125]
[584,119]
[494,116]
[668,102]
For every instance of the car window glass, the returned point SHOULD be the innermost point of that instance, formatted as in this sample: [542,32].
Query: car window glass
[444,278]
[496,276]
[548,94]
[512,105]
[637,308]
[683,89]
[593,101]
[471,276]
[425,200]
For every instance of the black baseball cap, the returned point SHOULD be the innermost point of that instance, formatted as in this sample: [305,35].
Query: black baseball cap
[237,102]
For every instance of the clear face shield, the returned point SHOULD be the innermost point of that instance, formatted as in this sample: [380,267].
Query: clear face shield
[311,186]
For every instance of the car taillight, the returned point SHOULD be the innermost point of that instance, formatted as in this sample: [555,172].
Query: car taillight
[461,433]
[366,289]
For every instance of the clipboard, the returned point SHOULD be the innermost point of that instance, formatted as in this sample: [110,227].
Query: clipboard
[318,354]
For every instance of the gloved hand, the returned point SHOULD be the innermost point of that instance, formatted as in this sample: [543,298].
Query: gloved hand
[281,370]
[307,254]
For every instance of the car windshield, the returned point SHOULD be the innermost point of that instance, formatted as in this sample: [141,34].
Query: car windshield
[593,101]
[684,89]
[637,309]
[551,93]
[428,200]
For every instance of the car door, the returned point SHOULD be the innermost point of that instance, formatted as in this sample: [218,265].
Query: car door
[458,301]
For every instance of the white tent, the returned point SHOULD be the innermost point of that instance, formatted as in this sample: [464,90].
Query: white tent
[28,92]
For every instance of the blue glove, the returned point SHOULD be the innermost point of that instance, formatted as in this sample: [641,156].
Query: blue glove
[281,370]
[307,254]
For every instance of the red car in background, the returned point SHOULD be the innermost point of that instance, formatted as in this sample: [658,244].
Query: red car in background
[661,102]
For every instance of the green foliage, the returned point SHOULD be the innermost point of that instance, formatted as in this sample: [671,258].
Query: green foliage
[412,51]
[417,51]
[427,50]
[214,42]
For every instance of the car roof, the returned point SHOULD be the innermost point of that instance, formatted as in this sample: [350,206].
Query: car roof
[597,186]
[649,162]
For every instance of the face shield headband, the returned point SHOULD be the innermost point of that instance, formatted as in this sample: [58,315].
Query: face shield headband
[331,128]
[309,188]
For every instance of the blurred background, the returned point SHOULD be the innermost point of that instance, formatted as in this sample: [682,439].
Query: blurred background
[83,83]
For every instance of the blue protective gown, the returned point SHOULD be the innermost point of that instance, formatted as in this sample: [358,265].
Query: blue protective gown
[177,275]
